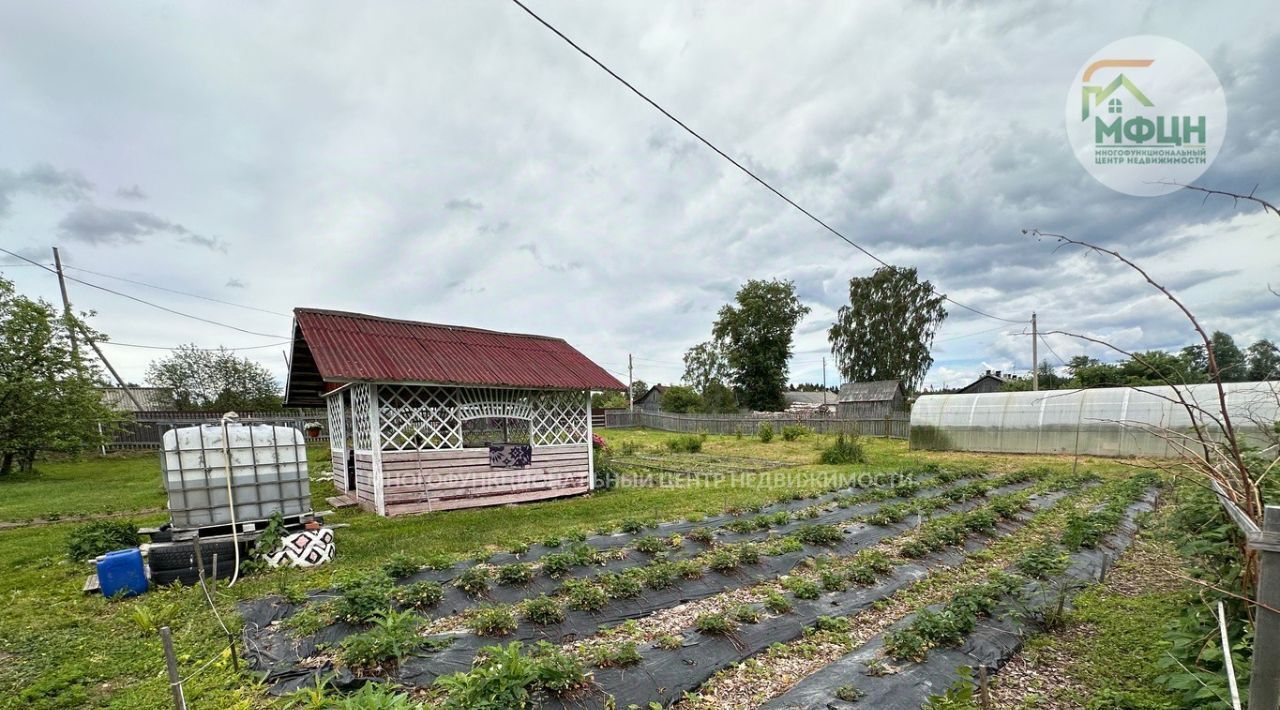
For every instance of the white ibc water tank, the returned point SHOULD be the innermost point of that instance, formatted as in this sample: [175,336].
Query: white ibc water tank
[268,473]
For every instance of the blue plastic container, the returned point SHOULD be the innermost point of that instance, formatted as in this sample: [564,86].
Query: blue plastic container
[122,572]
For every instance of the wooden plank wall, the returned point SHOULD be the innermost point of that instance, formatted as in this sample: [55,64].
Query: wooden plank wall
[420,481]
[339,461]
[364,481]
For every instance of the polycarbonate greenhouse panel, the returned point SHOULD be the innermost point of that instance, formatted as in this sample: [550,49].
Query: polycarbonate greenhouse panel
[1116,421]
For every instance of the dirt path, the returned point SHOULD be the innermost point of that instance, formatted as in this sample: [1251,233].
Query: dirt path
[37,522]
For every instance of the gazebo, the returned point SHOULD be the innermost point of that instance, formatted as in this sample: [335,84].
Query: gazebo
[426,417]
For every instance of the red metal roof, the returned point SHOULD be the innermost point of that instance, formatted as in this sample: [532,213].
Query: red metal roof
[358,347]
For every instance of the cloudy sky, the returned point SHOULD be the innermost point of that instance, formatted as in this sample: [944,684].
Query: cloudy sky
[456,162]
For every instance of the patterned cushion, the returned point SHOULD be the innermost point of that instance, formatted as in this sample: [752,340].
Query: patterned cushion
[510,455]
[307,548]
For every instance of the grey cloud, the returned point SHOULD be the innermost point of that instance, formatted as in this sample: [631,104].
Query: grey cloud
[463,204]
[42,180]
[94,224]
[235,283]
[133,192]
[532,250]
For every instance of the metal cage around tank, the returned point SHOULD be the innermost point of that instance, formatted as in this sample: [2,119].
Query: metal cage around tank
[268,467]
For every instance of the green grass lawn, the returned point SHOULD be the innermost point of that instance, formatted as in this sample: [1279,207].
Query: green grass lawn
[62,649]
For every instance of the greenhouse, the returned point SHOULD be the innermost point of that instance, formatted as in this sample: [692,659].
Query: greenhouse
[1115,421]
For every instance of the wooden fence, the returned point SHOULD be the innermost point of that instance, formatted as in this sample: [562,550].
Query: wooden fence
[144,430]
[894,427]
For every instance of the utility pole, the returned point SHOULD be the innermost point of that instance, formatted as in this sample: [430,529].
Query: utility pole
[66,303]
[631,392]
[1035,354]
[73,325]
[824,382]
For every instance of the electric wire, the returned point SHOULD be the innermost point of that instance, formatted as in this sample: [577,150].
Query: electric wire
[733,161]
[146,302]
[174,290]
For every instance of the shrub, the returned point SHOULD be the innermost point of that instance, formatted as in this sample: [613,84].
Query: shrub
[401,565]
[622,586]
[659,575]
[915,548]
[844,450]
[615,656]
[791,432]
[860,574]
[825,535]
[501,677]
[557,564]
[685,443]
[393,636]
[552,541]
[99,537]
[722,560]
[713,624]
[802,588]
[831,623]
[438,562]
[905,645]
[543,611]
[832,580]
[765,432]
[668,642]
[748,553]
[745,614]
[1043,562]
[849,693]
[585,596]
[632,527]
[420,595]
[557,671]
[877,560]
[688,569]
[775,603]
[362,597]
[518,548]
[701,534]
[649,544]
[519,573]
[492,620]
[473,580]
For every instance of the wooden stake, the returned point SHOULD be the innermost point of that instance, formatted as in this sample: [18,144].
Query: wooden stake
[1228,665]
[171,661]
[984,688]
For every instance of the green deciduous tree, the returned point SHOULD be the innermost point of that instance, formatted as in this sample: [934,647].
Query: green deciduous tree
[681,400]
[704,364]
[1264,361]
[638,388]
[216,380]
[1231,362]
[756,332]
[887,329]
[48,395]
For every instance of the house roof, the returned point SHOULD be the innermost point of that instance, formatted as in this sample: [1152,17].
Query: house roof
[987,377]
[339,347]
[660,389]
[809,397]
[150,398]
[879,391]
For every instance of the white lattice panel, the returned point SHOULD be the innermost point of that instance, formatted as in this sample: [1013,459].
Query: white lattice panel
[337,423]
[361,421]
[414,417]
[478,402]
[559,418]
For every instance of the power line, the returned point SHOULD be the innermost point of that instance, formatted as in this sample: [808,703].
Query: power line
[970,335]
[145,302]
[729,158]
[213,350]
[181,293]
[1055,353]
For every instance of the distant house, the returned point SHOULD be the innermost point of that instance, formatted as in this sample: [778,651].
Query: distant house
[651,401]
[871,400]
[989,382]
[808,401]
[150,399]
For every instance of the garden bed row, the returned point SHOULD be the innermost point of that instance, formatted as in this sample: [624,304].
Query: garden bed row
[935,651]
[290,661]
